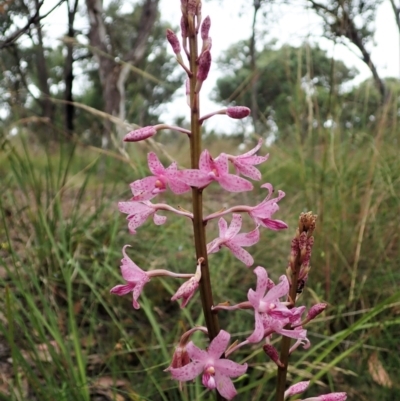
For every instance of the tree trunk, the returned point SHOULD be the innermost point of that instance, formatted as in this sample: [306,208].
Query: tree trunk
[43,78]
[113,76]
[68,71]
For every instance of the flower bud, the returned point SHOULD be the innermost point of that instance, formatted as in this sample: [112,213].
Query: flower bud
[205,28]
[237,112]
[296,389]
[180,358]
[315,311]
[140,134]
[204,66]
[271,351]
[174,42]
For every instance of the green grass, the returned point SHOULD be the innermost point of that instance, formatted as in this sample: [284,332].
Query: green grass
[67,338]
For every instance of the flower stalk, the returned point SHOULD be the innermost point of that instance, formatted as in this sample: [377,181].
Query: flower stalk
[211,318]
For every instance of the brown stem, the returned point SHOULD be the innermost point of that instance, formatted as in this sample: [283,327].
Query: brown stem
[197,194]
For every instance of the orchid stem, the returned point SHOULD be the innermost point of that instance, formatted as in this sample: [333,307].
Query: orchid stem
[197,194]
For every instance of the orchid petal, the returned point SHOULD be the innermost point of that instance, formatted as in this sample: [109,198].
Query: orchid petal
[258,332]
[205,161]
[187,372]
[230,368]
[159,220]
[196,353]
[234,183]
[195,178]
[278,291]
[252,151]
[223,227]
[225,386]
[240,253]
[122,289]
[262,281]
[221,164]
[154,163]
[234,227]
[219,344]
[247,171]
[247,239]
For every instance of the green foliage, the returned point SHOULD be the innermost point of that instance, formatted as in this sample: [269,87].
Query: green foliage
[61,236]
[286,81]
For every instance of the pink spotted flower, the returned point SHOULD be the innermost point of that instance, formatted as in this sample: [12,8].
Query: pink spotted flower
[135,279]
[214,170]
[147,188]
[216,372]
[244,164]
[230,238]
[139,212]
[262,213]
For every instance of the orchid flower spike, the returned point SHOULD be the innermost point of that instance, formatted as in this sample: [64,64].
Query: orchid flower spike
[216,372]
[147,188]
[230,238]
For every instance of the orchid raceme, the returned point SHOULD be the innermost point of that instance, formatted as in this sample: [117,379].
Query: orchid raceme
[274,305]
[230,238]
[149,187]
[216,372]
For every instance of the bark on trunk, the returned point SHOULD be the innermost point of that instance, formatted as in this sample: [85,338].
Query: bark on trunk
[69,72]
[113,76]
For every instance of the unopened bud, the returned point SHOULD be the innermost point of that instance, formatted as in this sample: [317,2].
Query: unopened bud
[271,351]
[174,42]
[204,66]
[184,27]
[315,311]
[205,28]
[192,7]
[140,134]
[237,112]
[296,389]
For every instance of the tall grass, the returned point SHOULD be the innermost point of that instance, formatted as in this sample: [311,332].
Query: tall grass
[64,337]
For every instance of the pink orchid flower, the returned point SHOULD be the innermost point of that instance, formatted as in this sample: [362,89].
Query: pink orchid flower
[214,170]
[135,277]
[138,212]
[244,164]
[230,238]
[269,312]
[262,213]
[217,372]
[147,188]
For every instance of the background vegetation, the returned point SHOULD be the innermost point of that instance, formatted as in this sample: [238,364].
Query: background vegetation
[334,150]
